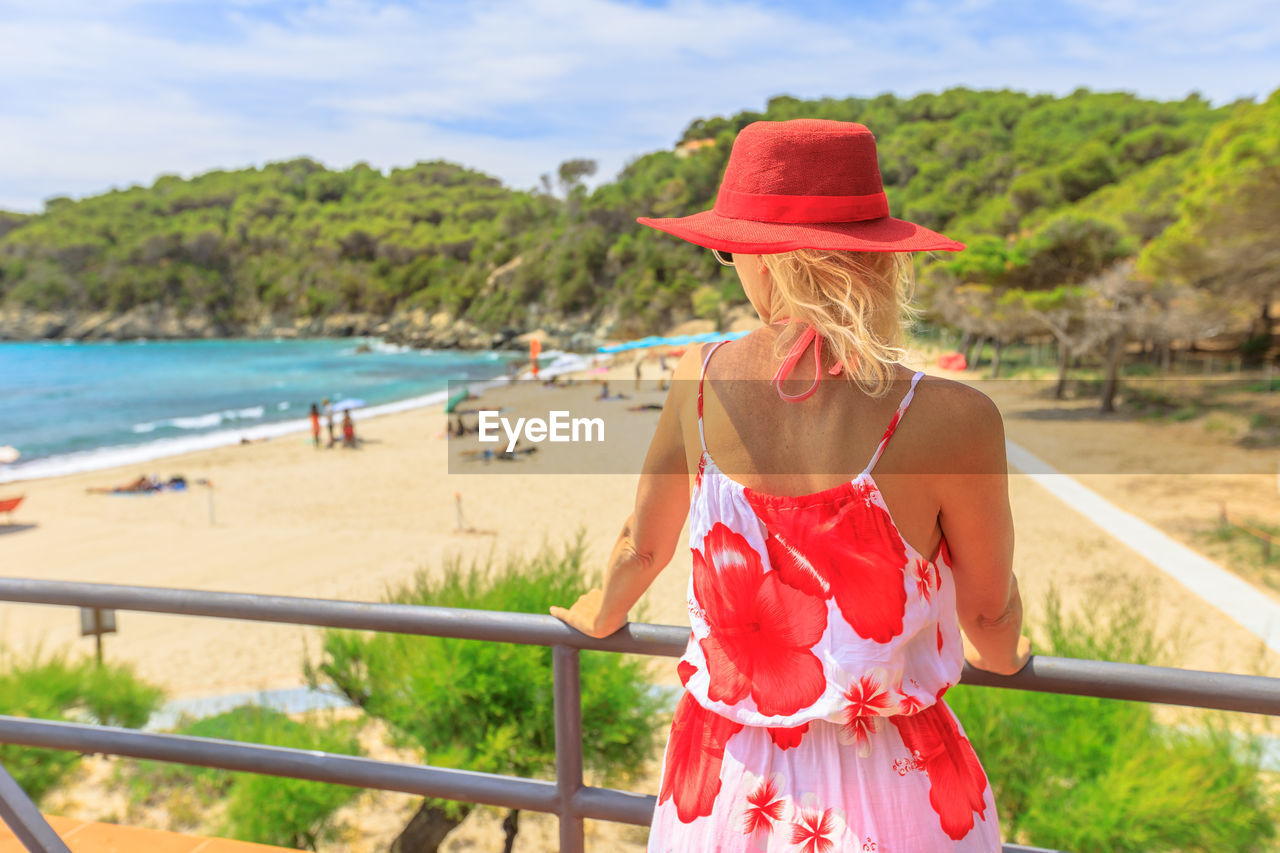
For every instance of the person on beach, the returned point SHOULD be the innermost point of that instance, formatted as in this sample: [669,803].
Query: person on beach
[846,524]
[315,426]
[328,416]
[143,484]
[348,430]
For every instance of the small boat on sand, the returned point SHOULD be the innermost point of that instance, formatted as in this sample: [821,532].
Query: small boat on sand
[8,505]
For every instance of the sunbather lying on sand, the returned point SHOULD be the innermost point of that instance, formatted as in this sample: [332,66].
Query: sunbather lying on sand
[143,485]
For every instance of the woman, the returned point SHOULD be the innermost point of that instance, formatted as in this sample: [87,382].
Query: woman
[845,525]
[315,426]
[348,429]
[327,409]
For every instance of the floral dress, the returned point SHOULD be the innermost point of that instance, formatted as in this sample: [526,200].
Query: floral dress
[812,717]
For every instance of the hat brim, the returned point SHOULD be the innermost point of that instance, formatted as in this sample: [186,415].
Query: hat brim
[713,231]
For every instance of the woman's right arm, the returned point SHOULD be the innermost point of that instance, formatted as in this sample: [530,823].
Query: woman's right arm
[978,525]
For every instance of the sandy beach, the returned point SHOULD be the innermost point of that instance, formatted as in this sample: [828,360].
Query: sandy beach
[293,520]
[289,519]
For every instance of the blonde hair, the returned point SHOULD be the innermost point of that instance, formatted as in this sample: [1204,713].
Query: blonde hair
[858,302]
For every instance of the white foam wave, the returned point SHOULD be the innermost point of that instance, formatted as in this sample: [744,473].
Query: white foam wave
[110,457]
[212,419]
[208,420]
[370,345]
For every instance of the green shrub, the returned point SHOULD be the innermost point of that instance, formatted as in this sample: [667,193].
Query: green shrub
[706,302]
[55,688]
[488,706]
[265,809]
[1103,776]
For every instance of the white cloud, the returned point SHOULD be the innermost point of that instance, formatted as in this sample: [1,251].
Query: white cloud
[91,98]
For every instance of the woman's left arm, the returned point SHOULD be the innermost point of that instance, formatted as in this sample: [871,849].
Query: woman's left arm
[649,536]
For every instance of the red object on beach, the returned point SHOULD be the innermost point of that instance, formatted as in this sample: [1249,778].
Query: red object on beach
[953,361]
[535,350]
[8,505]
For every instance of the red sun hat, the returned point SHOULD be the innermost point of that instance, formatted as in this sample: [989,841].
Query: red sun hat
[802,184]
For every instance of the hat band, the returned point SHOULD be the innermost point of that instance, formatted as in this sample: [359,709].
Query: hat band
[800,209]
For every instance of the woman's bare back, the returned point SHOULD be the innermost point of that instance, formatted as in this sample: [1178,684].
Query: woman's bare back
[797,448]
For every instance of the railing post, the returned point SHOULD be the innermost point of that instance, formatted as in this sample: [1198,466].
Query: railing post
[567,695]
[22,816]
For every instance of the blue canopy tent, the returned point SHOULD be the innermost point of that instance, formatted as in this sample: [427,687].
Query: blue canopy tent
[672,341]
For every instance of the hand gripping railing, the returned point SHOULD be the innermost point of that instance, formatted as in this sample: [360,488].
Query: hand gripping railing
[567,797]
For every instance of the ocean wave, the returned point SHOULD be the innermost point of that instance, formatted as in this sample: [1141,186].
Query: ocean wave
[367,346]
[206,421]
[212,419]
[110,457]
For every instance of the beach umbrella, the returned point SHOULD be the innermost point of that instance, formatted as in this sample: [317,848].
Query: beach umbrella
[453,402]
[8,454]
[674,340]
[349,403]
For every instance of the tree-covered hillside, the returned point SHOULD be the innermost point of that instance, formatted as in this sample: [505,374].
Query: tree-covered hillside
[297,240]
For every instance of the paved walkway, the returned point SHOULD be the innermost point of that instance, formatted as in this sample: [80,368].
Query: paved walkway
[1236,598]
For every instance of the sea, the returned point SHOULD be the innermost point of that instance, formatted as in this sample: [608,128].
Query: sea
[71,406]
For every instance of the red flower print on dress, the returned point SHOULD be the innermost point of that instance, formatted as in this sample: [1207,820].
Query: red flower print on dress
[908,704]
[956,780]
[939,637]
[868,696]
[925,575]
[685,670]
[787,738]
[858,731]
[812,831]
[868,701]
[944,555]
[761,630]
[845,548]
[695,751]
[765,806]
[815,829]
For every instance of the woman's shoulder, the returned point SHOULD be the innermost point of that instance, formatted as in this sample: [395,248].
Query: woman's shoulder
[958,421]
[961,402]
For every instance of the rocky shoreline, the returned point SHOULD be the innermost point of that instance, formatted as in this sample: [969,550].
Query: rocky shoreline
[416,328]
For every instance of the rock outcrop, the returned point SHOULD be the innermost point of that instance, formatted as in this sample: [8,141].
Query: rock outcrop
[414,327]
[144,321]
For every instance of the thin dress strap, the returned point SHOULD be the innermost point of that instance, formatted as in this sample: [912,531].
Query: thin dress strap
[893,424]
[702,436]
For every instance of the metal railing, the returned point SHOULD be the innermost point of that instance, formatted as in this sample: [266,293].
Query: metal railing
[568,797]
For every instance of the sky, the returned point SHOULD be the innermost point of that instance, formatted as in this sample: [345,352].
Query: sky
[96,94]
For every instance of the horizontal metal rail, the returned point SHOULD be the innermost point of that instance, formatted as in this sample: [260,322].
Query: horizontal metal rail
[462,785]
[567,797]
[1195,688]
[525,628]
[1104,679]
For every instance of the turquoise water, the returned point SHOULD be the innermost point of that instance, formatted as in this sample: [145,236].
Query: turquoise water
[75,406]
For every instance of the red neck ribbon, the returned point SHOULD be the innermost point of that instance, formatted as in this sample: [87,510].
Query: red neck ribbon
[810,336]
